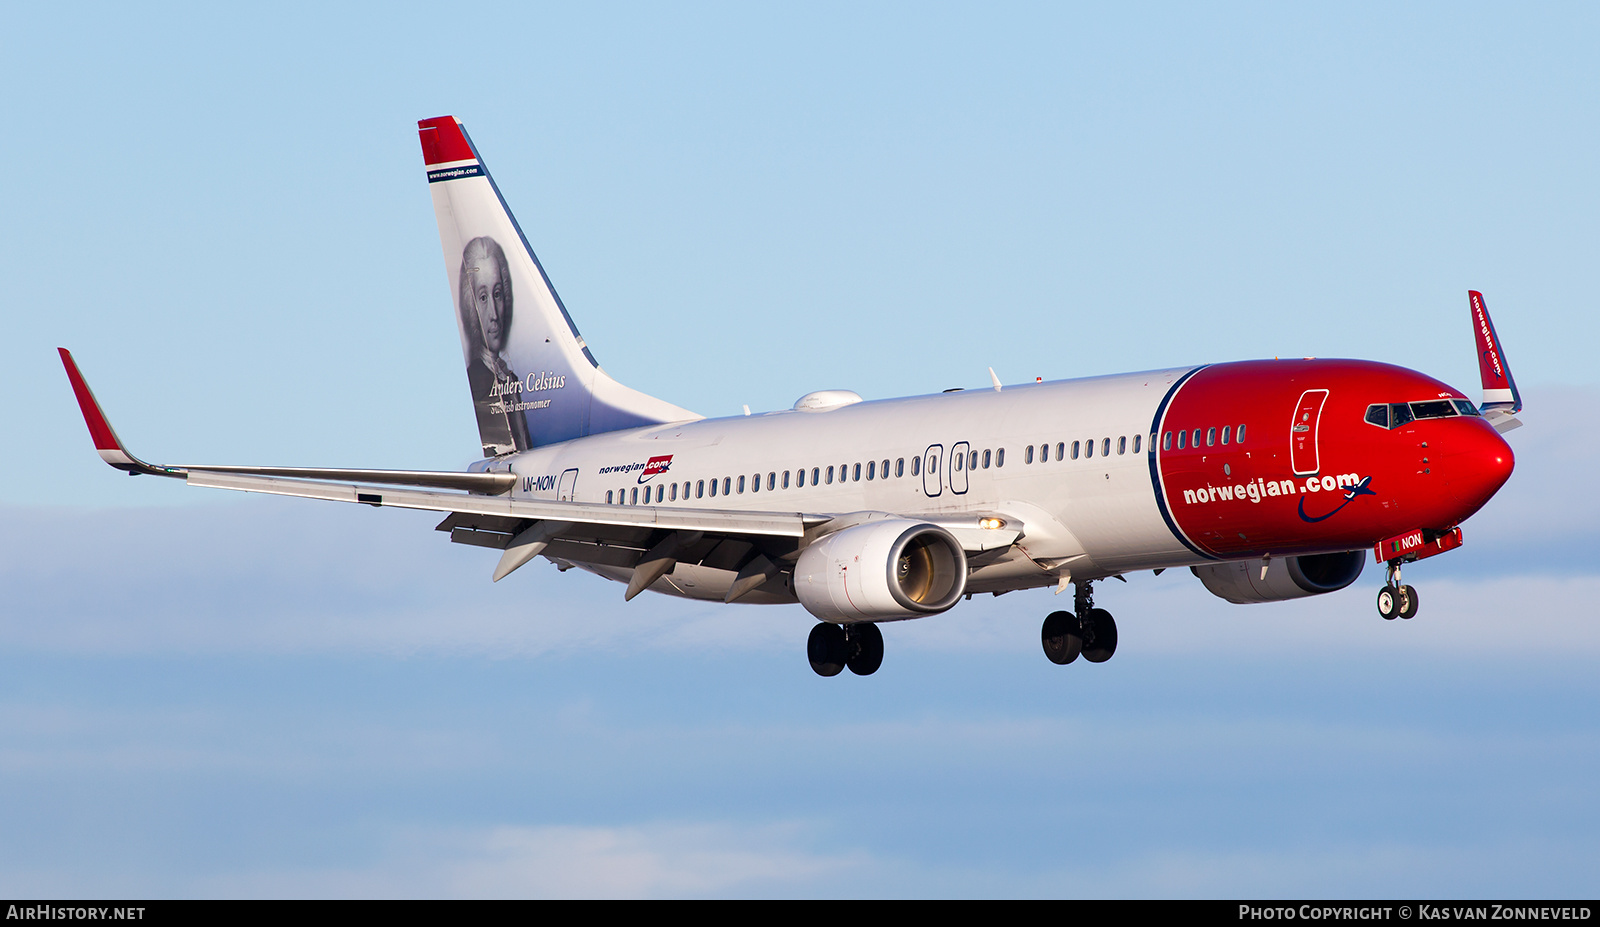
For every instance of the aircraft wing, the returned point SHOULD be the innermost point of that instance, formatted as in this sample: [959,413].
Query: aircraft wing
[646,539]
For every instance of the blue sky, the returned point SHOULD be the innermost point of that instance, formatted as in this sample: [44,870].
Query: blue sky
[224,215]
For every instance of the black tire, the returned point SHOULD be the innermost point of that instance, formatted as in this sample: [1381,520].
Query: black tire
[1389,602]
[1104,644]
[825,648]
[1061,637]
[868,641]
[1408,602]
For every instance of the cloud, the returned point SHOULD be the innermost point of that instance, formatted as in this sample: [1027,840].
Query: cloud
[656,860]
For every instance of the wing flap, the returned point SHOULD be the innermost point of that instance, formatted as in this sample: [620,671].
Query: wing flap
[772,524]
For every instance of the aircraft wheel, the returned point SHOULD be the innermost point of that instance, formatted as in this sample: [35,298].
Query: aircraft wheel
[1062,638]
[868,647]
[1408,602]
[1105,636]
[1389,604]
[826,649]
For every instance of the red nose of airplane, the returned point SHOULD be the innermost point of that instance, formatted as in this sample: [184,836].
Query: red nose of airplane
[1475,463]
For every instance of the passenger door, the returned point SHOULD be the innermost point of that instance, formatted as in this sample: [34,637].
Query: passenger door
[1303,431]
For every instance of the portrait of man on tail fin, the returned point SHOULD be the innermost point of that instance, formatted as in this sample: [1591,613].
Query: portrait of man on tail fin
[484,304]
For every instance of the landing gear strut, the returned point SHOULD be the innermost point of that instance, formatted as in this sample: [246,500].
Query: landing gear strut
[1085,630]
[833,647]
[1396,600]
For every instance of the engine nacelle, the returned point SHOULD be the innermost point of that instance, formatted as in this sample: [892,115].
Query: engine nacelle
[1240,581]
[881,571]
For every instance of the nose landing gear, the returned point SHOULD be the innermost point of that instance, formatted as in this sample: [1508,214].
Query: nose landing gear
[1087,631]
[1396,600]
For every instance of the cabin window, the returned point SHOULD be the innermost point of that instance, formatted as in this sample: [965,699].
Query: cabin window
[1241,435]
[958,461]
[1122,444]
[973,463]
[1197,436]
[829,476]
[899,466]
[672,493]
[857,476]
[1062,446]
[885,470]
[1211,437]
[916,466]
[800,477]
[713,489]
[1105,447]
[1183,440]
[1225,430]
[1000,458]
[661,491]
[872,469]
[1136,443]
[1027,455]
[814,472]
[1074,451]
[1166,441]
[699,489]
[786,479]
[727,484]
[986,458]
[772,480]
[1088,447]
[635,496]
[608,497]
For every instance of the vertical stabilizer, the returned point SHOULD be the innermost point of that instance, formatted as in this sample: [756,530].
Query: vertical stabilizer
[533,379]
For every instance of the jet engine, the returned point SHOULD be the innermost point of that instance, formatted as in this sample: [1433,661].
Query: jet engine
[881,571]
[1241,582]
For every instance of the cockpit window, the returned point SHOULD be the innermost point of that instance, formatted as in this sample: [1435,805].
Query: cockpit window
[1436,408]
[1395,414]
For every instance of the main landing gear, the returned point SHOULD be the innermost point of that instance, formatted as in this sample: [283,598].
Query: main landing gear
[833,647]
[1394,599]
[1085,630]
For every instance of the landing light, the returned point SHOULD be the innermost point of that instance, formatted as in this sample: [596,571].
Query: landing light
[992,524]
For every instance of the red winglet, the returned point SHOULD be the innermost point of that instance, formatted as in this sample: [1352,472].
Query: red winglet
[105,440]
[443,141]
[99,429]
[1499,389]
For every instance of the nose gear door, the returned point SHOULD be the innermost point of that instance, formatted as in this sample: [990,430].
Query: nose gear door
[1303,431]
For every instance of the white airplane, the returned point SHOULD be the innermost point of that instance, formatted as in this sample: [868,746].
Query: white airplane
[1270,480]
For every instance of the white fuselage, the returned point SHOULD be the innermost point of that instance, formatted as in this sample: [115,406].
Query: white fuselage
[1092,514]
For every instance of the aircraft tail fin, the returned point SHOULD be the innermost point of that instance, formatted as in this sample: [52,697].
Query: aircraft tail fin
[1501,400]
[533,379]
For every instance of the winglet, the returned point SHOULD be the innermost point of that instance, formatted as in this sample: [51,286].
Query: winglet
[105,439]
[1499,389]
